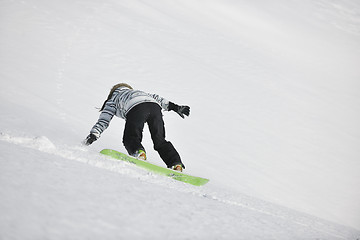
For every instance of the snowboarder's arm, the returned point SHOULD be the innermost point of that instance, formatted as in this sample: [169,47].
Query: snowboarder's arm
[104,120]
[164,103]
[170,106]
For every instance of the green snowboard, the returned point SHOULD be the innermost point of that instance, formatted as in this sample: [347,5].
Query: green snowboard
[197,181]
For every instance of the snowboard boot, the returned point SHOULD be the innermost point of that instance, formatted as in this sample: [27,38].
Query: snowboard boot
[140,154]
[177,167]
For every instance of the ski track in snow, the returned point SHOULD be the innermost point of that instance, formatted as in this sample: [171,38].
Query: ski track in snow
[81,154]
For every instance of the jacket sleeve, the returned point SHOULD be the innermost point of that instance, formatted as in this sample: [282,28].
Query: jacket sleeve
[164,103]
[104,119]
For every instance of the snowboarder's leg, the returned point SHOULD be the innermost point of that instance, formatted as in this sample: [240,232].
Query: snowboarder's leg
[165,148]
[133,132]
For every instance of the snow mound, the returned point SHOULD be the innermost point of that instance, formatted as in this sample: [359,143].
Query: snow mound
[41,143]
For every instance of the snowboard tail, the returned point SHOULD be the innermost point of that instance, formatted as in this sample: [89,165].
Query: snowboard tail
[197,181]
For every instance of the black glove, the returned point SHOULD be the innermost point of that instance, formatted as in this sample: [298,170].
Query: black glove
[181,110]
[90,139]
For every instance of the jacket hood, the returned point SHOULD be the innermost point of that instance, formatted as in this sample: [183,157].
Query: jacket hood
[120,85]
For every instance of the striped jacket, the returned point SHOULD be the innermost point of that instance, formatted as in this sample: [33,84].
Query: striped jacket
[121,102]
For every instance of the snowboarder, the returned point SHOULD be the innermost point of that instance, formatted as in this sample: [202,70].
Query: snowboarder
[137,108]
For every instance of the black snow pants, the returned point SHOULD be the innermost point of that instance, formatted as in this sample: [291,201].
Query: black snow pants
[151,114]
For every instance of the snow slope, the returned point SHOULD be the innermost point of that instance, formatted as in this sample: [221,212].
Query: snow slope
[62,193]
[273,89]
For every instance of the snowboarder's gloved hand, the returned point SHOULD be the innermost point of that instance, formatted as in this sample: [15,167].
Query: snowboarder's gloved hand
[181,110]
[90,139]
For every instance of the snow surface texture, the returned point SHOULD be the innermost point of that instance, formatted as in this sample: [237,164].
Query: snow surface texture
[275,111]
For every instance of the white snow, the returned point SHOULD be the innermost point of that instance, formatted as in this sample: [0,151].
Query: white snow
[273,88]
